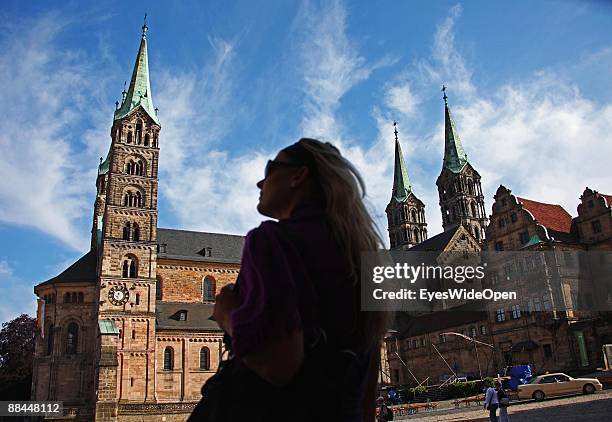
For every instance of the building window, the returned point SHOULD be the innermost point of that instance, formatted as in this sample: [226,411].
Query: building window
[80,297]
[546,303]
[133,334]
[131,381]
[66,297]
[129,267]
[136,232]
[473,331]
[208,289]
[500,315]
[499,246]
[524,237]
[596,225]
[547,350]
[126,231]
[515,311]
[137,298]
[74,297]
[483,329]
[50,339]
[513,217]
[205,358]
[158,289]
[442,338]
[537,305]
[168,359]
[72,339]
[182,315]
[415,344]
[422,341]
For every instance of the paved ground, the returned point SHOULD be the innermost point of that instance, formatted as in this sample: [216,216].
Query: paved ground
[595,407]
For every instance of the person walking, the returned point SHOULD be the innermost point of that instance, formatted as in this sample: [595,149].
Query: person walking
[491,403]
[504,402]
[297,335]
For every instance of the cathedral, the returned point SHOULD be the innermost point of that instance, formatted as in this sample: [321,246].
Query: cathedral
[126,334]
[126,329]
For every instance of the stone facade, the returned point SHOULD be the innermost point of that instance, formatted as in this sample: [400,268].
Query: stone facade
[127,335]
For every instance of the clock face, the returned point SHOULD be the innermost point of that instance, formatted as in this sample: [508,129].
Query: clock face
[118,295]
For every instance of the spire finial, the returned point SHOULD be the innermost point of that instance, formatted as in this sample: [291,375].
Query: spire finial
[145,27]
[395,129]
[124,92]
[444,97]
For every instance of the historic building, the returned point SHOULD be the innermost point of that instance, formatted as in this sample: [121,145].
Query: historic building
[554,324]
[126,328]
[405,212]
[459,189]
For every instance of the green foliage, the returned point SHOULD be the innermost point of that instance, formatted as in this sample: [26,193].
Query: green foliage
[421,389]
[16,355]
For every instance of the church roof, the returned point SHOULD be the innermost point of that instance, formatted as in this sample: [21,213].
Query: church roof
[194,246]
[454,155]
[83,270]
[552,216]
[409,326]
[436,243]
[167,316]
[139,92]
[401,182]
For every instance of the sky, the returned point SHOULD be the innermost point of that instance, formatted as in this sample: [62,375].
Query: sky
[528,85]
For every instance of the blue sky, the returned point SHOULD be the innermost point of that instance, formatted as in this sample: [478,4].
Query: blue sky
[528,83]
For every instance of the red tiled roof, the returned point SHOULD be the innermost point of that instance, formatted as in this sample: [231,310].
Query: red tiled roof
[608,198]
[551,216]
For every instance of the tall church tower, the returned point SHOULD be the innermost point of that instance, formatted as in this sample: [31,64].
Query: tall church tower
[459,190]
[405,212]
[124,236]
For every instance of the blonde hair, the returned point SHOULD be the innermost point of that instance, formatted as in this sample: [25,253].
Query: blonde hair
[352,226]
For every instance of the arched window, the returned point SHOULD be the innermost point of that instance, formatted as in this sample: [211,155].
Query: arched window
[168,359]
[66,297]
[129,168]
[74,298]
[473,209]
[146,142]
[133,334]
[137,298]
[129,268]
[126,231]
[154,144]
[140,168]
[50,339]
[208,289]
[413,215]
[476,233]
[80,297]
[72,338]
[129,137]
[416,235]
[138,200]
[158,289]
[136,232]
[138,133]
[204,358]
[470,187]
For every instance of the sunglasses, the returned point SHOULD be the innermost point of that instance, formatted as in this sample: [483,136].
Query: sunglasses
[272,164]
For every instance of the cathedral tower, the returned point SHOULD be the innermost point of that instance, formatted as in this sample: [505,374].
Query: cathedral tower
[459,190]
[124,235]
[405,212]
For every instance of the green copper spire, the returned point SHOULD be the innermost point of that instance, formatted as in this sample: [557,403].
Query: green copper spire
[454,155]
[401,182]
[139,92]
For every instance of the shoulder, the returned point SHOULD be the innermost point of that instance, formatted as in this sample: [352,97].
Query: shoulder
[266,231]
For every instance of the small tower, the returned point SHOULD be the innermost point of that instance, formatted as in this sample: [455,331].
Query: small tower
[405,212]
[459,190]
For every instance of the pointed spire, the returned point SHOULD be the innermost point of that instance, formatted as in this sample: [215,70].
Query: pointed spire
[139,92]
[401,183]
[454,155]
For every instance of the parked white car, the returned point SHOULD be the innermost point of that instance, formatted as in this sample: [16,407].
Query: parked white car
[557,385]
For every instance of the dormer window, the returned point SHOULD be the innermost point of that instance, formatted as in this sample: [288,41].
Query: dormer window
[207,251]
[182,315]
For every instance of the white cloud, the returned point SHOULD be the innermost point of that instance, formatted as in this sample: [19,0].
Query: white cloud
[46,91]
[5,269]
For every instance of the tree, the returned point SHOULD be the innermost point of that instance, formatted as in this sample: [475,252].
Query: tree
[16,355]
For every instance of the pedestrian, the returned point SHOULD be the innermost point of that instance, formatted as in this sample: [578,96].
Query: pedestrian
[491,403]
[504,402]
[297,333]
[384,413]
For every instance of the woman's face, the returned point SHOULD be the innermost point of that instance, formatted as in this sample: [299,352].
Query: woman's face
[277,189]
